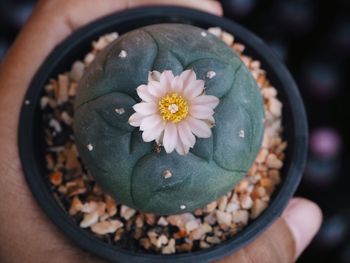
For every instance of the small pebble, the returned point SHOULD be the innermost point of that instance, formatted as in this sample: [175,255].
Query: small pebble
[191,225]
[146,243]
[111,206]
[44,101]
[210,219]
[101,208]
[162,221]
[100,44]
[56,125]
[275,107]
[240,217]
[76,206]
[89,219]
[66,118]
[269,92]
[222,203]
[273,162]
[63,86]
[216,31]
[150,218]
[119,234]
[242,186]
[246,202]
[89,207]
[261,157]
[106,227]
[210,207]
[197,234]
[239,48]
[255,64]
[90,147]
[111,37]
[246,60]
[258,207]
[213,240]
[232,207]
[180,220]
[73,90]
[56,178]
[204,245]
[104,217]
[139,222]
[170,248]
[89,58]
[224,219]
[227,38]
[127,212]
[77,71]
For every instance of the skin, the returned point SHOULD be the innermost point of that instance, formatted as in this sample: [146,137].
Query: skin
[26,234]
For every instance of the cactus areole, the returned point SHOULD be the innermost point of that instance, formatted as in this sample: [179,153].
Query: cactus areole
[168,119]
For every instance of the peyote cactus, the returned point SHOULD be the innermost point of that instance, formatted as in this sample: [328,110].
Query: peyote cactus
[204,155]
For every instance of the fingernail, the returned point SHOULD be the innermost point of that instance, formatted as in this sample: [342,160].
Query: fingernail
[304,219]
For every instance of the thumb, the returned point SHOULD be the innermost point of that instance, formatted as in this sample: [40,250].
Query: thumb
[286,239]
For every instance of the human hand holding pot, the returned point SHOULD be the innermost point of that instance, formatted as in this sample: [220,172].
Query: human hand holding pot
[27,235]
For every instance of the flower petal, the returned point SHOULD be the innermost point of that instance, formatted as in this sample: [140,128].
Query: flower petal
[136,119]
[166,78]
[201,112]
[206,100]
[177,85]
[170,137]
[153,134]
[156,89]
[185,134]
[144,94]
[181,148]
[194,89]
[150,122]
[159,140]
[211,121]
[145,108]
[188,76]
[154,76]
[200,128]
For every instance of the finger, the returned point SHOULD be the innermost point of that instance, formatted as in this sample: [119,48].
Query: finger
[284,241]
[304,219]
[210,6]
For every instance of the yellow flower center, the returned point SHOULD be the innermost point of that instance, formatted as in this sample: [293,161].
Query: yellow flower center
[173,108]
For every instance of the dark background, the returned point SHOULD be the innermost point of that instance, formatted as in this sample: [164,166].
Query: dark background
[313,38]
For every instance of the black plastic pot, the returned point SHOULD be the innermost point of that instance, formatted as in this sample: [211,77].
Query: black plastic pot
[31,140]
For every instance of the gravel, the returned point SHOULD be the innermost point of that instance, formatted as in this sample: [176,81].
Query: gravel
[117,224]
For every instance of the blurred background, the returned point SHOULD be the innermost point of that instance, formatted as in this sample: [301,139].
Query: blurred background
[313,38]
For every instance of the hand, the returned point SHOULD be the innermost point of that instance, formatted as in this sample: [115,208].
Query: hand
[26,233]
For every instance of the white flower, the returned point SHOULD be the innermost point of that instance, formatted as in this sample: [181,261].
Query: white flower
[174,109]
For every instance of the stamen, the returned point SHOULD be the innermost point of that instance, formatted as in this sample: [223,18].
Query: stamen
[173,108]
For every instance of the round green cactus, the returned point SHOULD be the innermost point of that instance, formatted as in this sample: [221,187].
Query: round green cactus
[141,174]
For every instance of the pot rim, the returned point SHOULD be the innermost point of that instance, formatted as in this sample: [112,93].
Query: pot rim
[88,242]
